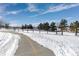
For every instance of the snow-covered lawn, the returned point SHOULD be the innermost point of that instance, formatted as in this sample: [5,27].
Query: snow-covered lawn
[8,43]
[66,45]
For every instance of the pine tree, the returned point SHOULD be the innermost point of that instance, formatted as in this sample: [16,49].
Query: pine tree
[40,26]
[30,26]
[23,27]
[46,26]
[6,26]
[26,26]
[63,25]
[74,26]
[53,26]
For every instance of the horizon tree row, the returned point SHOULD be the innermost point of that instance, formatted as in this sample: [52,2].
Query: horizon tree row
[27,26]
[52,26]
[63,26]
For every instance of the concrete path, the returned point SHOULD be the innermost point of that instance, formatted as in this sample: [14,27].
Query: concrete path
[28,47]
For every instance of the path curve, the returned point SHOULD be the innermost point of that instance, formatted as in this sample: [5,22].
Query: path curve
[28,47]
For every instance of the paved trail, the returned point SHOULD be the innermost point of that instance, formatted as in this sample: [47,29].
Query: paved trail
[28,47]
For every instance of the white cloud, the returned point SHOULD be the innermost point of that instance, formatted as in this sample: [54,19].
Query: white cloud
[60,7]
[3,9]
[32,8]
[13,12]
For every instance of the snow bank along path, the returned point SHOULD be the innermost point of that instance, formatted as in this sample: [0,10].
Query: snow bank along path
[66,45]
[8,44]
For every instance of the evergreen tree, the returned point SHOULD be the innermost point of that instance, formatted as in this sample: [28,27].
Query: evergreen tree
[40,26]
[30,26]
[63,24]
[23,27]
[74,26]
[53,26]
[46,26]
[6,26]
[26,26]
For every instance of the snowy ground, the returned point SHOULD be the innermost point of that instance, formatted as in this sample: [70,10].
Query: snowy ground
[66,45]
[8,44]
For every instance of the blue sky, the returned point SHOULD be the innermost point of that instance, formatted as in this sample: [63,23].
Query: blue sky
[34,13]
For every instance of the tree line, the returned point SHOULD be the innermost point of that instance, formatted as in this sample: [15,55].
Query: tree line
[27,26]
[63,26]
[46,26]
